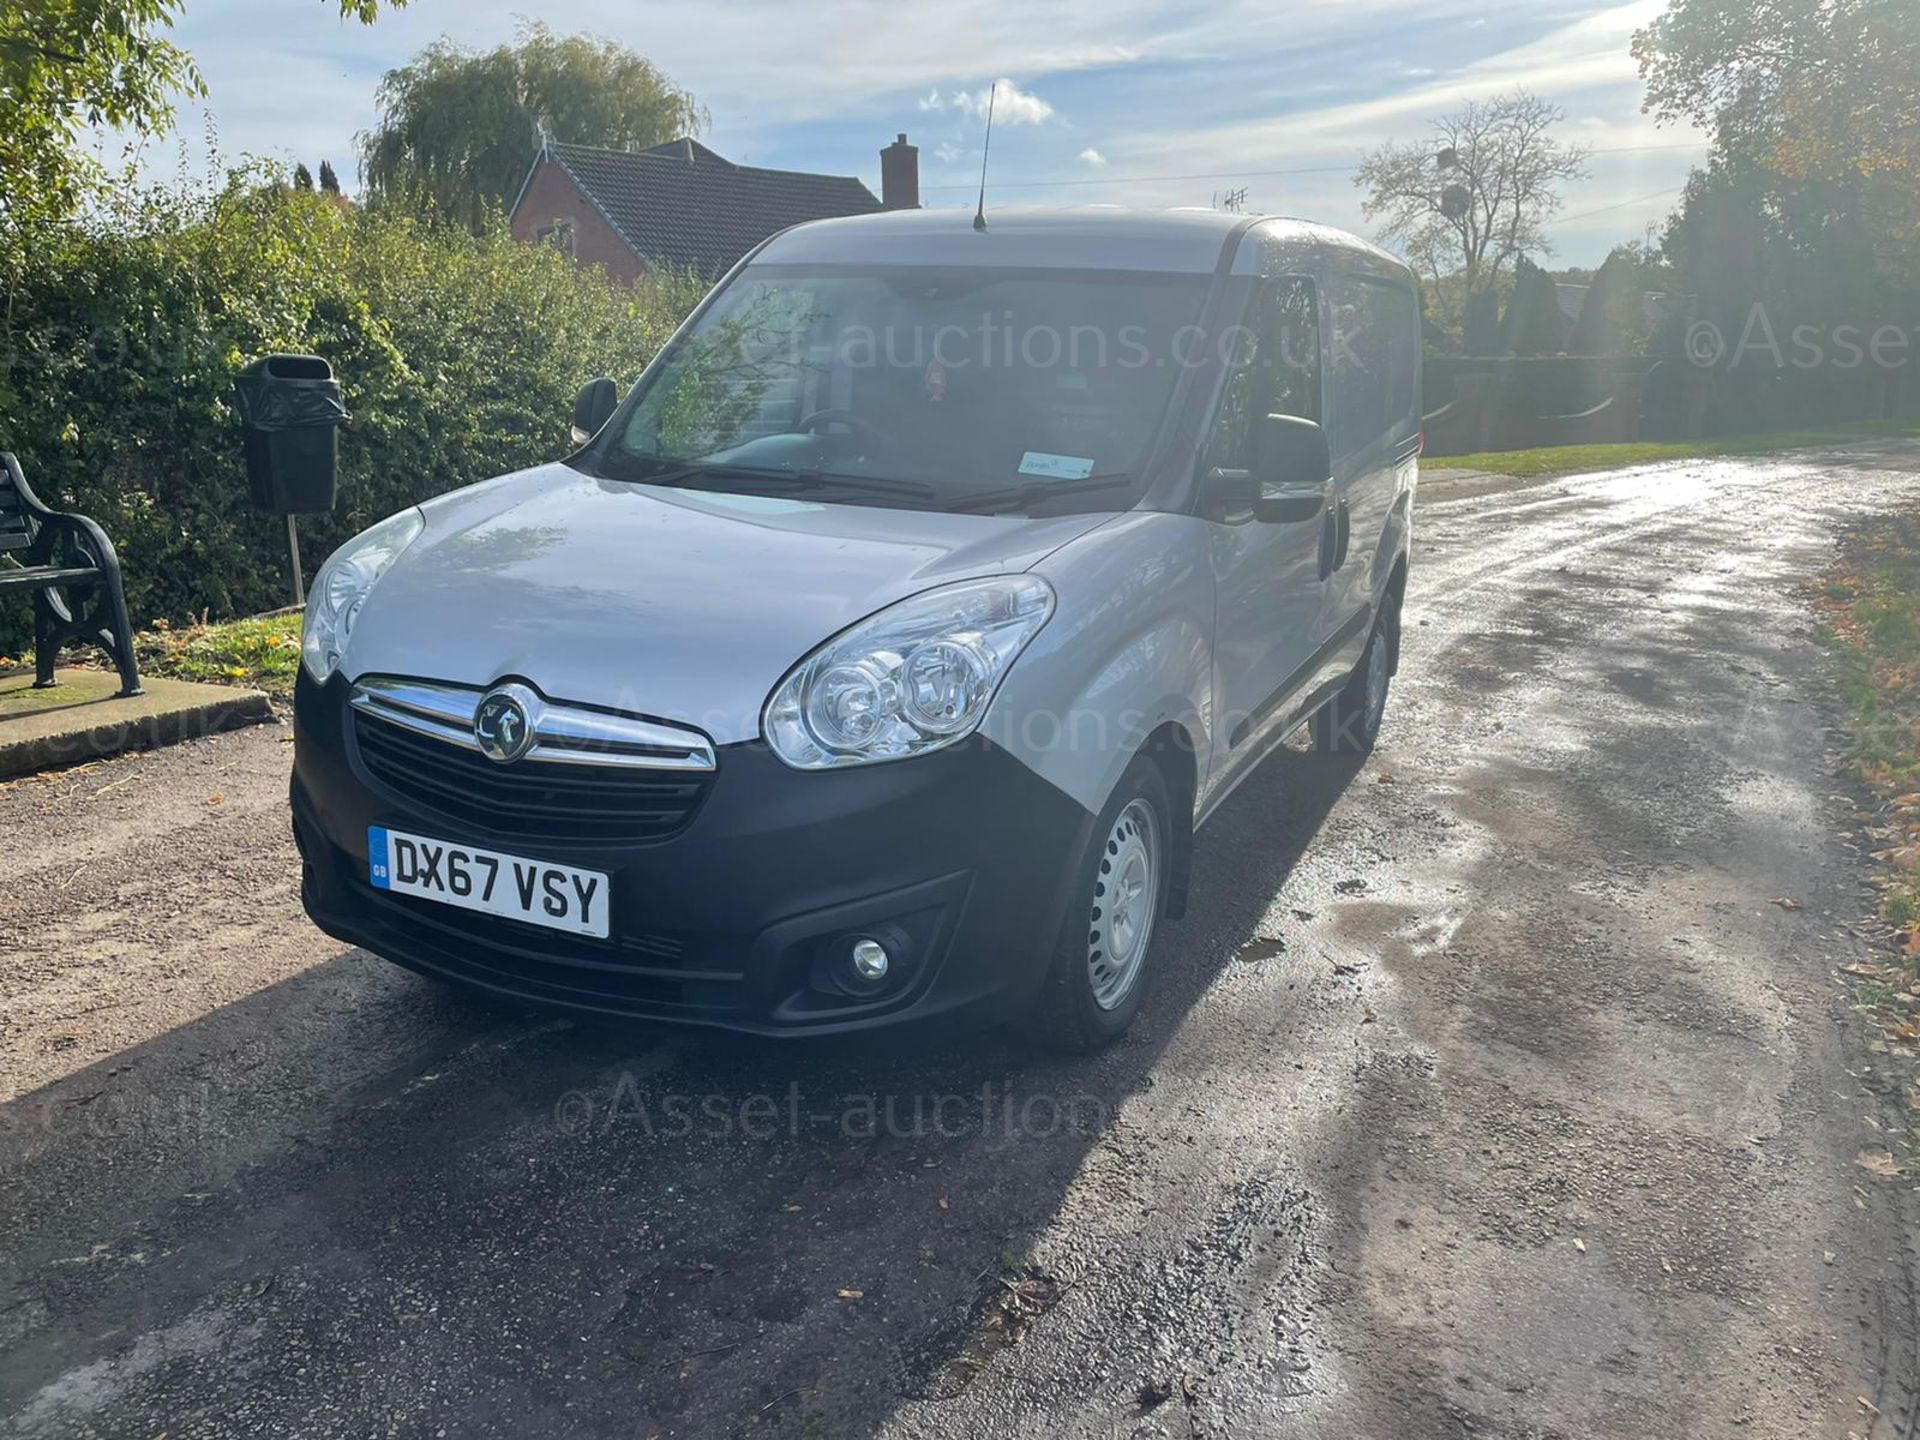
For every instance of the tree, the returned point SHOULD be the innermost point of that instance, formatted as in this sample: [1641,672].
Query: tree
[1475,196]
[67,66]
[1613,318]
[329,182]
[302,177]
[1533,324]
[1818,94]
[459,128]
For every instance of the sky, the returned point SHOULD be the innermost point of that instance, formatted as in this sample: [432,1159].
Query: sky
[1129,102]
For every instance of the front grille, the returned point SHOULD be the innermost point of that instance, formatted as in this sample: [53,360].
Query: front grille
[634,974]
[531,799]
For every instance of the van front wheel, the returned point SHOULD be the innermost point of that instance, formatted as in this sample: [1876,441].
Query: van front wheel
[1349,723]
[1099,969]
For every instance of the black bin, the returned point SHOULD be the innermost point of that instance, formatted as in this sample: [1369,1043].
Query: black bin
[293,413]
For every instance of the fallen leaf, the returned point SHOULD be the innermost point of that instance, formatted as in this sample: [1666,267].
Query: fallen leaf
[943,1203]
[216,799]
[1581,1246]
[851,1294]
[1666,1265]
[1878,1162]
[1385,777]
[1785,904]
[1828,1254]
[791,1209]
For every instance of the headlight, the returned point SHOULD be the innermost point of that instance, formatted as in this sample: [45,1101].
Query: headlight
[915,677]
[341,587]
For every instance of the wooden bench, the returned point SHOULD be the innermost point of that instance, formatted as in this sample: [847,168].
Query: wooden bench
[67,564]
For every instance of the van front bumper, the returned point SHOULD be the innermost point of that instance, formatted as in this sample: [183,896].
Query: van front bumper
[957,861]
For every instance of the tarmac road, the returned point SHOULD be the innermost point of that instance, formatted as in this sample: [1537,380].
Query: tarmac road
[1485,1091]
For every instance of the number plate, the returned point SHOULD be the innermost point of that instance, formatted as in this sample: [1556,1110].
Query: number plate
[537,892]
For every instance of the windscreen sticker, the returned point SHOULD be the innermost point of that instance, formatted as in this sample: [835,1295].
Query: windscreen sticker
[1056,467]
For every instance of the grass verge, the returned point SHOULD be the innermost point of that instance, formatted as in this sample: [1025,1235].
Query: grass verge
[1576,459]
[1869,605]
[262,652]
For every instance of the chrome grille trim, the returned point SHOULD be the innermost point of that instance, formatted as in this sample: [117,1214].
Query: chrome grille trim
[563,734]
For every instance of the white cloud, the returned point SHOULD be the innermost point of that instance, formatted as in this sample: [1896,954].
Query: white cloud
[1584,66]
[1093,157]
[1011,104]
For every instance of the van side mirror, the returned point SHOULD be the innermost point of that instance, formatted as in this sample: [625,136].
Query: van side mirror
[1291,469]
[593,407]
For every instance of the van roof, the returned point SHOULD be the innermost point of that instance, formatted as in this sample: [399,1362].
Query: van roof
[1099,237]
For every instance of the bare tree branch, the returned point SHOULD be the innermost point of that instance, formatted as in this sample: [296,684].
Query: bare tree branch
[1509,165]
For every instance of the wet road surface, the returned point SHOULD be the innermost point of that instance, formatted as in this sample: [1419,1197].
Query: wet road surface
[1485,1091]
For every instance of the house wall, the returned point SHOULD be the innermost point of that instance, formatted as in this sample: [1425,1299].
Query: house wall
[551,195]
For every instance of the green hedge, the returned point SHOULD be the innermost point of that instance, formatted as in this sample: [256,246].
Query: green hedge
[120,336]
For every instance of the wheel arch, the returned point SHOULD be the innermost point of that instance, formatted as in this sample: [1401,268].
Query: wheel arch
[1392,599]
[1173,748]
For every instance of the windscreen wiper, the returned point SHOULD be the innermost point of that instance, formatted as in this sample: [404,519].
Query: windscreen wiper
[689,476]
[826,480]
[1035,492]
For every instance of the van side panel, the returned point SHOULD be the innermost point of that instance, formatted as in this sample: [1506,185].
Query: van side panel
[1130,649]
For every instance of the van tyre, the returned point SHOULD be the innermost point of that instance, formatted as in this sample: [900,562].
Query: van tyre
[1102,960]
[1349,723]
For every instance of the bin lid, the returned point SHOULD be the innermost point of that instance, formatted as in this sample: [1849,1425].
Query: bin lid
[288,392]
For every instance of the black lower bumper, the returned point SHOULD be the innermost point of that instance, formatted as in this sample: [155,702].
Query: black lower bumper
[742,918]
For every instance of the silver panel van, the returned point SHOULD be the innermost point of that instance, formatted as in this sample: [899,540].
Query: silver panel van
[875,658]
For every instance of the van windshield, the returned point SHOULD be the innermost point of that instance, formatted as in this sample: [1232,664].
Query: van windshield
[986,389]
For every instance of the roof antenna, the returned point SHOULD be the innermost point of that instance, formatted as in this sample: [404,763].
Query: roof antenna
[980,213]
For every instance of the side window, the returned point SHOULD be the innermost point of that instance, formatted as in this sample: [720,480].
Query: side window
[1376,346]
[1277,372]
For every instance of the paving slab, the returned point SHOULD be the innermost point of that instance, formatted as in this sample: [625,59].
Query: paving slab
[82,717]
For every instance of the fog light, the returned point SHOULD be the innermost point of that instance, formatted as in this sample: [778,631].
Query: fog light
[869,960]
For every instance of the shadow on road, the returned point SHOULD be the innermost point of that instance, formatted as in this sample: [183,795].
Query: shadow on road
[360,1200]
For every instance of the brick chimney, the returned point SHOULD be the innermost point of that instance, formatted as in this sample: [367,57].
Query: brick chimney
[900,175]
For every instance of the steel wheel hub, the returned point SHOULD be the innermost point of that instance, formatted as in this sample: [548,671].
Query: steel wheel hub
[1377,662]
[1126,893]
